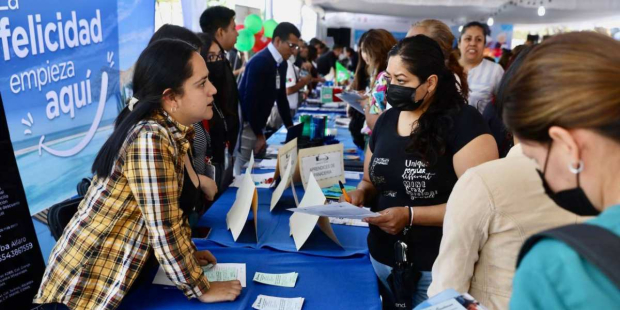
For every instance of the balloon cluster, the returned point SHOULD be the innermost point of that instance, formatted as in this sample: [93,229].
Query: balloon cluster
[254,34]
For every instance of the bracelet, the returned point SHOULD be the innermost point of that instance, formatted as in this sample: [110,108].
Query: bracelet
[410,215]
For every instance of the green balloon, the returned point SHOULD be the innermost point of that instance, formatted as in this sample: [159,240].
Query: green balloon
[269,26]
[253,23]
[245,40]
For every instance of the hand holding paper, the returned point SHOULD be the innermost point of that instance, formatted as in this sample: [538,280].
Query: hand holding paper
[341,209]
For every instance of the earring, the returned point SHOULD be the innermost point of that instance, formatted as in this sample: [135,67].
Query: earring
[577,170]
[174,109]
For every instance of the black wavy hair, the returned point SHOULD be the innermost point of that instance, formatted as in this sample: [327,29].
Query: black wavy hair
[423,57]
[169,31]
[150,80]
[284,30]
[216,17]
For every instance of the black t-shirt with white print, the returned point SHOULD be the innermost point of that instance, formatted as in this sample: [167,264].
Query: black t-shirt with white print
[403,179]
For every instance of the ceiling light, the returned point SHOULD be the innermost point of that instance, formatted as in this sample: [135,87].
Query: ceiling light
[461,28]
[490,21]
[541,11]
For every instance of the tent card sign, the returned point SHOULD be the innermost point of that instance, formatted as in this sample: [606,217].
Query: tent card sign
[285,167]
[303,224]
[247,197]
[285,152]
[326,163]
[286,180]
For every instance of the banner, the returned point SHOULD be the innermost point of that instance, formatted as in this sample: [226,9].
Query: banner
[59,80]
[21,263]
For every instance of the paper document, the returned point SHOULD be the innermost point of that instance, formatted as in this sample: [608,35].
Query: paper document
[264,302]
[352,175]
[261,180]
[218,273]
[284,279]
[348,222]
[341,209]
[268,164]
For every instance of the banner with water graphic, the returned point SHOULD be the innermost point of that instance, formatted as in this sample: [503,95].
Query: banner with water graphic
[61,84]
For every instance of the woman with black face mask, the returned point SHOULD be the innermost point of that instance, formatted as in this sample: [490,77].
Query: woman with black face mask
[564,106]
[493,209]
[222,127]
[417,151]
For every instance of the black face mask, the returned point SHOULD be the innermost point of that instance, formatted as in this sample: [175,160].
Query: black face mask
[216,70]
[402,98]
[573,200]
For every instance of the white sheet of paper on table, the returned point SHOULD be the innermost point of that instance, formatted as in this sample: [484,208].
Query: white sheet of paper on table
[282,279]
[351,175]
[219,272]
[268,164]
[264,302]
[257,178]
[340,209]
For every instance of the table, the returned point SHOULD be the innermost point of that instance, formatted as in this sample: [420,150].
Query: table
[324,282]
[330,277]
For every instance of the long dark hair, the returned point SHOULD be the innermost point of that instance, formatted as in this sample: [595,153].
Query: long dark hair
[360,79]
[377,44]
[423,57]
[150,80]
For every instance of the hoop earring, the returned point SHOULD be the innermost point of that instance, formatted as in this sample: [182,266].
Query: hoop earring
[577,170]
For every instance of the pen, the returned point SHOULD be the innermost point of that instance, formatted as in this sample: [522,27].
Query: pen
[344,193]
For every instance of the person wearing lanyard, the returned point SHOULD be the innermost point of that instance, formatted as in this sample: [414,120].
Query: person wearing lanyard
[418,151]
[294,85]
[218,26]
[263,83]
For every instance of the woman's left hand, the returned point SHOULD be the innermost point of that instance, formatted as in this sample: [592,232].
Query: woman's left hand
[205,258]
[392,220]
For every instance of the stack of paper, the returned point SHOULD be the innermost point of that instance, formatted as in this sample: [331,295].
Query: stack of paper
[264,302]
[348,222]
[268,164]
[261,180]
[341,209]
[284,279]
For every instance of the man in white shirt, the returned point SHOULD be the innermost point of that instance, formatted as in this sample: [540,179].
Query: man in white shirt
[294,84]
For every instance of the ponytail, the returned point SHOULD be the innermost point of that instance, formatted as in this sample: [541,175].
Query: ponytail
[454,66]
[150,80]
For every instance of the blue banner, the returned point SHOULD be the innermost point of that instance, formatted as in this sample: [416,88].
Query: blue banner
[60,85]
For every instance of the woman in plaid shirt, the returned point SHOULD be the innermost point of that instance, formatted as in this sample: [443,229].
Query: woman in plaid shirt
[132,207]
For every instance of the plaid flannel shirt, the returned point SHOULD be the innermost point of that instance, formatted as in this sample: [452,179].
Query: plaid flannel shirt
[123,217]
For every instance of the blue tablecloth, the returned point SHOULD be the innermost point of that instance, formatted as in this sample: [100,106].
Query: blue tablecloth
[274,230]
[325,283]
[330,276]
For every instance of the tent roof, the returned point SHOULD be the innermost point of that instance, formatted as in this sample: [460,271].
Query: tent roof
[461,11]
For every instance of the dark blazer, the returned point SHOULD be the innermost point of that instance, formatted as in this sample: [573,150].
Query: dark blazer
[258,92]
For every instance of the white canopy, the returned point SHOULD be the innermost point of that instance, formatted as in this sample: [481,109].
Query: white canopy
[461,11]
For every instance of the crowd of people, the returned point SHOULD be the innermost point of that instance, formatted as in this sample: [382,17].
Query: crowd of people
[464,162]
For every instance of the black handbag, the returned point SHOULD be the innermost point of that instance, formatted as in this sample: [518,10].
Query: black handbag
[60,214]
[404,277]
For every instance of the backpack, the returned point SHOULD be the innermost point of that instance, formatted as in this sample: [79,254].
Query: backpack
[597,245]
[60,214]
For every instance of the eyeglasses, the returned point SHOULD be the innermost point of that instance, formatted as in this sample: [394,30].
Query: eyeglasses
[293,45]
[215,57]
